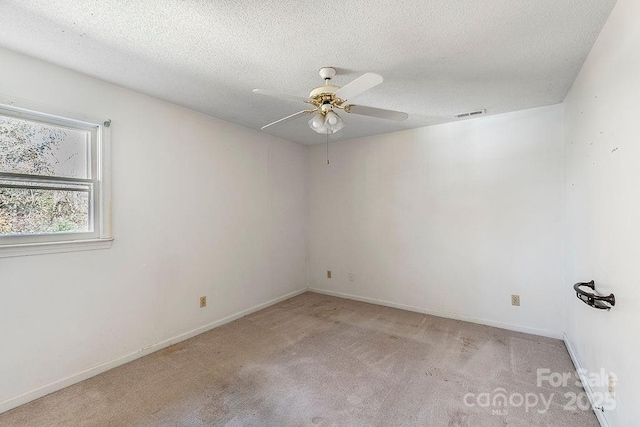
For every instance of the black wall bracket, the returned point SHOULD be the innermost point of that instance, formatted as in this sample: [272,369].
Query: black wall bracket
[591,298]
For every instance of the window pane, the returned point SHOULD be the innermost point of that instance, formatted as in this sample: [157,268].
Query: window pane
[37,211]
[35,148]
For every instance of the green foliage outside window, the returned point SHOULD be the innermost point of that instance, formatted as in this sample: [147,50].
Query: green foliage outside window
[38,149]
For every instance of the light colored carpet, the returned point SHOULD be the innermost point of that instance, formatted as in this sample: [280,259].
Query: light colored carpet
[321,360]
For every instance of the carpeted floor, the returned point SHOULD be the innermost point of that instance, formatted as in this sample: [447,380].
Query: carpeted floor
[321,360]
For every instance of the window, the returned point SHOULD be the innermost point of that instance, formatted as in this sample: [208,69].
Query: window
[53,186]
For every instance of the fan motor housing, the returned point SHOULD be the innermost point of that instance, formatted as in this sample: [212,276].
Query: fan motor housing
[326,95]
[323,90]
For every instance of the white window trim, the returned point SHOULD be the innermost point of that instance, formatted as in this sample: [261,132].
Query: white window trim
[102,237]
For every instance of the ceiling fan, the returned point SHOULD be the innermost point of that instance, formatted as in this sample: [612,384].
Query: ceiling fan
[327,98]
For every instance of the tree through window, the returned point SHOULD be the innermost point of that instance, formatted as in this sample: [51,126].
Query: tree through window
[49,181]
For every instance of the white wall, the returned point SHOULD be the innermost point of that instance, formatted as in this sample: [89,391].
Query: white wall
[602,187]
[200,207]
[449,219]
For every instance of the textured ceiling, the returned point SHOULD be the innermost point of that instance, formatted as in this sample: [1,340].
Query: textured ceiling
[438,57]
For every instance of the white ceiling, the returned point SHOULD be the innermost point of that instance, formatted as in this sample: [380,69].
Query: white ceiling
[438,57]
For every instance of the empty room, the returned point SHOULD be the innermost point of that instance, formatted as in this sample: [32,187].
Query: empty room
[243,213]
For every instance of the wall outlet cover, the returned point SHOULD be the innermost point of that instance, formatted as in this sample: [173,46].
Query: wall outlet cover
[611,380]
[203,302]
[515,300]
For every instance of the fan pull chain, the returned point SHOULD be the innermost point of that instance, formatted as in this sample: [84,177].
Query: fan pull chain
[327,147]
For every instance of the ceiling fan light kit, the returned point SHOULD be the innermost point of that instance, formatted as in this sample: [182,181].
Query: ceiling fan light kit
[326,98]
[326,123]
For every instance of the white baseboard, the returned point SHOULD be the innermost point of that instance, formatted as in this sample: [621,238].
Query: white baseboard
[585,382]
[30,395]
[445,314]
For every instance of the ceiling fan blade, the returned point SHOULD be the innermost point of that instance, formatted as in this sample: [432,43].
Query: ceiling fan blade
[380,113]
[280,95]
[288,118]
[359,85]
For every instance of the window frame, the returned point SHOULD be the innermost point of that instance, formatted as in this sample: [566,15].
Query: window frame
[99,165]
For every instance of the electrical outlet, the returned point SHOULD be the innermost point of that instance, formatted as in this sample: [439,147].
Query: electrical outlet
[328,274]
[203,302]
[515,300]
[611,379]
[352,278]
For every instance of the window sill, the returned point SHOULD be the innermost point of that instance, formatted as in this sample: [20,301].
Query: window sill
[26,249]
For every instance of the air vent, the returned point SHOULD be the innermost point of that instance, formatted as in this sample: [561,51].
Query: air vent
[470,114]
